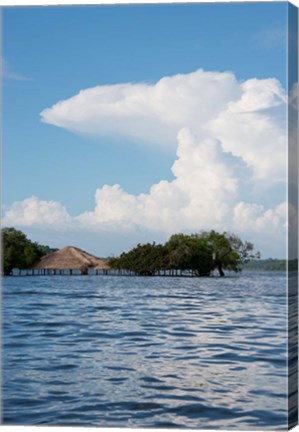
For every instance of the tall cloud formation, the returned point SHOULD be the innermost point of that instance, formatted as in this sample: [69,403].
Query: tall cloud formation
[201,191]
[248,118]
[230,138]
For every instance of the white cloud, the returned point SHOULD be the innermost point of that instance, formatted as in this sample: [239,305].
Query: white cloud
[248,118]
[199,195]
[230,138]
[260,220]
[33,211]
[254,128]
[152,113]
[266,227]
[203,195]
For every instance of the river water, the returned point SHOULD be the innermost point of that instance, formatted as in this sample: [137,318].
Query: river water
[145,351]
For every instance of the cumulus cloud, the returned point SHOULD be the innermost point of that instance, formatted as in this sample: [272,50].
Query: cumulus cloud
[204,194]
[199,195]
[230,137]
[254,128]
[33,211]
[260,220]
[152,113]
[267,227]
[247,117]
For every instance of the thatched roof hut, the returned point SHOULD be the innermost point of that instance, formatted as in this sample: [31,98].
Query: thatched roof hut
[71,258]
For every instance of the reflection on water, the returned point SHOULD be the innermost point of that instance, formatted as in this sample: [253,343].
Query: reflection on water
[138,352]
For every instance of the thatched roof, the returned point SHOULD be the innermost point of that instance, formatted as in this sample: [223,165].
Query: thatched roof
[71,258]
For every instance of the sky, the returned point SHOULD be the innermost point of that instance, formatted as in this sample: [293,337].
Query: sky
[126,124]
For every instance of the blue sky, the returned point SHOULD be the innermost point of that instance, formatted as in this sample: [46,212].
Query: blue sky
[51,53]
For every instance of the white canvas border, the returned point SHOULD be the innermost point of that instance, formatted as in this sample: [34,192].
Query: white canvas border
[14,3]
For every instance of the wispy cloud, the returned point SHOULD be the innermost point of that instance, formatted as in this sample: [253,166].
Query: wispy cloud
[8,73]
[274,37]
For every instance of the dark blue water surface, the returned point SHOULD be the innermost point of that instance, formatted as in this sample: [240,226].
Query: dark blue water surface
[142,351]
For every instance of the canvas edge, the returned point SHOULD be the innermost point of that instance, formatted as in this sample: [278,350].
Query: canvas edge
[292,214]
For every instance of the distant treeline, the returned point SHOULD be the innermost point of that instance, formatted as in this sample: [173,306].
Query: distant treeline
[195,254]
[270,264]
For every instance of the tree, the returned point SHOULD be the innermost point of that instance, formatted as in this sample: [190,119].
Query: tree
[188,253]
[18,251]
[228,251]
[143,259]
[198,254]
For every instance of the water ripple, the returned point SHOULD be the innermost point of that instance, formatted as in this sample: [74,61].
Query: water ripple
[146,352]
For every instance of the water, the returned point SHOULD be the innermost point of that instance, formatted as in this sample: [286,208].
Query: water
[145,352]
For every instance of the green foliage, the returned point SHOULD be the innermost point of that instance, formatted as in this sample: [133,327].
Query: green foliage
[229,251]
[198,254]
[142,259]
[18,251]
[188,253]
